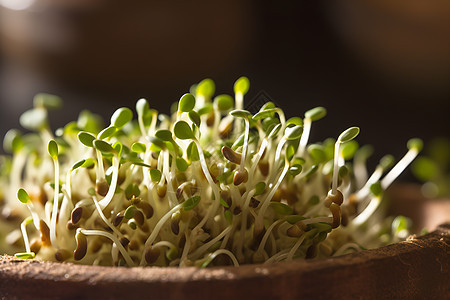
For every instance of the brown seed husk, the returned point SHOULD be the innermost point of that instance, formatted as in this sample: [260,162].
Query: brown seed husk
[62,255]
[237,210]
[276,196]
[71,226]
[119,218]
[39,196]
[81,249]
[263,167]
[146,208]
[338,198]
[210,119]
[36,246]
[139,217]
[225,128]
[133,245]
[231,155]
[344,216]
[182,242]
[294,231]
[102,187]
[240,177]
[161,191]
[124,241]
[254,202]
[45,233]
[175,226]
[312,251]
[336,211]
[151,255]
[76,215]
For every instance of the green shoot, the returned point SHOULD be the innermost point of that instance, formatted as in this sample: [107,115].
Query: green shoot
[344,137]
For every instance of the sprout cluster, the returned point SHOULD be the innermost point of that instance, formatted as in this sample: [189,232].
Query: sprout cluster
[210,184]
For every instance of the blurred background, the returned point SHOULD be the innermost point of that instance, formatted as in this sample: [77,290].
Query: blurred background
[378,64]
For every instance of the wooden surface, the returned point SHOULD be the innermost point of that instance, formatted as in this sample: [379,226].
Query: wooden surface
[417,268]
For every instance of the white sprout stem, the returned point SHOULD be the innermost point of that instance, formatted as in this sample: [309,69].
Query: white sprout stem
[278,151]
[399,168]
[200,100]
[173,167]
[153,199]
[211,183]
[160,223]
[367,212]
[152,127]
[46,135]
[48,211]
[187,247]
[100,169]
[345,247]
[295,247]
[335,168]
[266,201]
[267,234]
[217,117]
[244,222]
[100,212]
[315,210]
[160,166]
[114,252]
[278,256]
[157,229]
[228,235]
[276,159]
[112,189]
[255,163]
[376,175]
[360,171]
[147,179]
[171,194]
[305,136]
[239,99]
[66,205]
[18,163]
[34,215]
[226,252]
[245,146]
[164,244]
[273,243]
[55,206]
[113,238]
[141,125]
[261,132]
[205,247]
[346,186]
[282,119]
[63,218]
[23,228]
[178,117]
[68,185]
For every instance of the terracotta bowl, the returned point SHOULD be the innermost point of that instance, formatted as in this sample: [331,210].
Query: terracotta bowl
[416,268]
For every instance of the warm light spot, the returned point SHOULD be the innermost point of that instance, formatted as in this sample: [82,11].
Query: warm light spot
[16,4]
